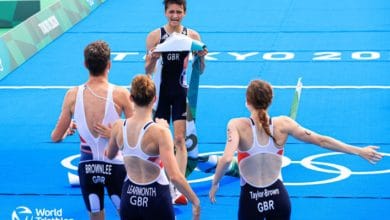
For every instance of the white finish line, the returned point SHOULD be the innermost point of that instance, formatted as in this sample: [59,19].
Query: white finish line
[218,87]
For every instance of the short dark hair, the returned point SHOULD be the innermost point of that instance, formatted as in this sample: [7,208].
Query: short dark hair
[97,56]
[178,2]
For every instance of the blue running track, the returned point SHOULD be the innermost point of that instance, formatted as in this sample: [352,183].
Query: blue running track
[341,48]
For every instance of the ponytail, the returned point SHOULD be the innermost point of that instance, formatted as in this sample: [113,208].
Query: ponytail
[262,117]
[259,95]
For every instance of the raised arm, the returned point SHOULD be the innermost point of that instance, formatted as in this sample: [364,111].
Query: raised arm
[224,162]
[165,143]
[292,127]
[151,58]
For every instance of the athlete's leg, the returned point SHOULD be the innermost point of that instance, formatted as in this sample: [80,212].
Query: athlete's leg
[97,215]
[93,194]
[179,116]
[208,164]
[114,184]
[181,157]
[179,127]
[163,110]
[191,143]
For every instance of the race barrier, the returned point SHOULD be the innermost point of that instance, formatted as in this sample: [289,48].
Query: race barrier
[26,39]
[14,12]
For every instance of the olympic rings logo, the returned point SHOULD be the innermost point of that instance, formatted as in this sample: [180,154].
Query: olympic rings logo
[341,172]
[310,163]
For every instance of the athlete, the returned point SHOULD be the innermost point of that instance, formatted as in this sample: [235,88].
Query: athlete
[170,77]
[259,141]
[147,149]
[95,106]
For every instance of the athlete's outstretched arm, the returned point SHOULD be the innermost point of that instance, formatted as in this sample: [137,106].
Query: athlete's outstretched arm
[224,162]
[292,127]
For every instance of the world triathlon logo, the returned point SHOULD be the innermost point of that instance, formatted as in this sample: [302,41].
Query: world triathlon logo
[25,213]
[22,213]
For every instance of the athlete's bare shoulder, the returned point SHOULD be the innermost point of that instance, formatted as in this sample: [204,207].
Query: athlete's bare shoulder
[72,91]
[161,125]
[120,95]
[119,90]
[71,95]
[153,36]
[284,124]
[239,122]
[69,101]
[159,132]
[281,119]
[193,34]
